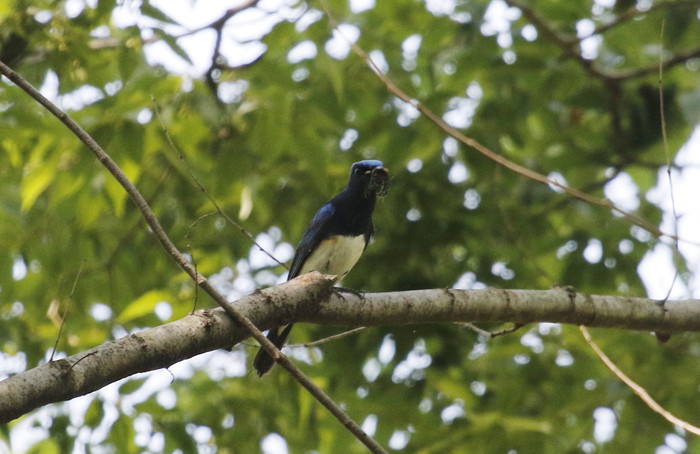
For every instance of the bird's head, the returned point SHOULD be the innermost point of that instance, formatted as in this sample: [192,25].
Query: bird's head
[370,178]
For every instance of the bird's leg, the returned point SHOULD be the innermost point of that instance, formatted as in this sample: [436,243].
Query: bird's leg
[340,290]
[661,336]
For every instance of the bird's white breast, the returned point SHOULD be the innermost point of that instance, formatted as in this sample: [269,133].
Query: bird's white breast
[336,255]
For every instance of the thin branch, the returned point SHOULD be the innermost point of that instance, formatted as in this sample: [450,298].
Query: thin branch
[662,336]
[677,59]
[492,334]
[633,12]
[217,24]
[667,152]
[487,152]
[196,221]
[625,16]
[218,27]
[329,338]
[65,312]
[611,80]
[204,191]
[638,390]
[618,137]
[221,21]
[196,287]
[186,266]
[570,46]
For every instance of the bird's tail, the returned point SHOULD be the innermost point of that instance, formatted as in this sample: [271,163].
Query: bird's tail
[263,362]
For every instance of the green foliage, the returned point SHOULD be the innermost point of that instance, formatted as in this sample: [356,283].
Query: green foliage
[71,242]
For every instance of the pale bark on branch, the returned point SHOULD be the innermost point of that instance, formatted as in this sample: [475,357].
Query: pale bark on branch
[298,301]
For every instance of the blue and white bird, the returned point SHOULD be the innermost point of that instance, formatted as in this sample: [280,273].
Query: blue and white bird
[336,237]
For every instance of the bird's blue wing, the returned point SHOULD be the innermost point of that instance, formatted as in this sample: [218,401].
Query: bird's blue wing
[316,232]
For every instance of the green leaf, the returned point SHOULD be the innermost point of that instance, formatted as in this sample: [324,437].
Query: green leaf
[116,191]
[171,41]
[142,305]
[47,446]
[149,10]
[90,206]
[131,385]
[36,180]
[94,413]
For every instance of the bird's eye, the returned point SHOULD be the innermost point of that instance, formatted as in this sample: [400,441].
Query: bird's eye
[357,171]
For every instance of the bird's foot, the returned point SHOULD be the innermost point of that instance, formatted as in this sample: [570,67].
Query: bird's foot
[661,336]
[340,290]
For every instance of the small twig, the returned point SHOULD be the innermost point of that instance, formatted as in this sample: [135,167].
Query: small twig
[559,203]
[329,338]
[65,312]
[102,43]
[634,11]
[209,76]
[664,137]
[625,16]
[660,335]
[476,329]
[204,191]
[571,47]
[218,27]
[638,390]
[196,287]
[176,255]
[78,361]
[196,221]
[677,59]
[492,334]
[221,21]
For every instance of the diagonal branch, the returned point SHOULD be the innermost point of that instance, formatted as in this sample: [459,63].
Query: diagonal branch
[218,27]
[638,390]
[677,59]
[332,338]
[634,11]
[207,330]
[204,191]
[186,266]
[571,46]
[490,154]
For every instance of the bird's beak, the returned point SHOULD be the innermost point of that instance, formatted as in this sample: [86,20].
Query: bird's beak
[379,181]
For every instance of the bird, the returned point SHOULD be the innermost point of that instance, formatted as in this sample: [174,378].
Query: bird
[335,239]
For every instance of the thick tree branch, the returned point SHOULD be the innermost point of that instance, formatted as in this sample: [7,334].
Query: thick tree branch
[301,300]
[151,349]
